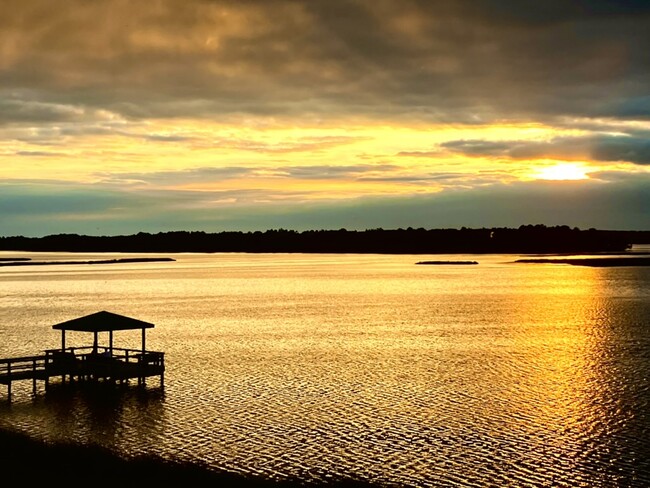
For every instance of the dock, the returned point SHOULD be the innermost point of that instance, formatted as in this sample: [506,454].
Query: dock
[88,364]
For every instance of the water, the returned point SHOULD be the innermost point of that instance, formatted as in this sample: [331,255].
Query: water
[313,366]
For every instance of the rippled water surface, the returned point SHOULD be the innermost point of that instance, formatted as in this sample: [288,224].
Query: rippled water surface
[499,374]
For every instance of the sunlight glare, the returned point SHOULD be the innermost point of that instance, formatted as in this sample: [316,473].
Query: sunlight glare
[563,171]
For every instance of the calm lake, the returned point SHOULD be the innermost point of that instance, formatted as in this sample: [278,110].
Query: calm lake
[287,365]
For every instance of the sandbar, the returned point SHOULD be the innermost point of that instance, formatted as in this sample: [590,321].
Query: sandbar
[594,262]
[100,261]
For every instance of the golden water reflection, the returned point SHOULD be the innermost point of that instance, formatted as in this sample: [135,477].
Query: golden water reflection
[571,397]
[310,366]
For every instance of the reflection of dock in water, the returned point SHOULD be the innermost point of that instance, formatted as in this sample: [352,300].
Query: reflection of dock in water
[88,364]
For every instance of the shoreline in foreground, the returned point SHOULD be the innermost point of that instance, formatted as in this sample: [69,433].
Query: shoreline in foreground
[26,460]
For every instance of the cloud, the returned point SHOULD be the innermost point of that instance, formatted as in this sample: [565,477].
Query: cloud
[169,178]
[301,144]
[57,132]
[468,61]
[165,137]
[219,85]
[422,154]
[327,172]
[37,154]
[420,178]
[360,172]
[636,107]
[479,147]
[26,110]
[599,147]
[614,148]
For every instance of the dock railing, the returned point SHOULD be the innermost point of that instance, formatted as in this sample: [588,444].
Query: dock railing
[119,354]
[115,363]
[25,367]
[84,363]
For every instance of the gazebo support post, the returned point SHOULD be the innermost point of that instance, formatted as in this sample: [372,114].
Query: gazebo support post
[141,380]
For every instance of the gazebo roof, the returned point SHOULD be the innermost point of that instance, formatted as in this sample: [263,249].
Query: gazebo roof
[102,322]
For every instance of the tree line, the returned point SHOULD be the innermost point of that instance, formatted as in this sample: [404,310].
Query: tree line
[524,239]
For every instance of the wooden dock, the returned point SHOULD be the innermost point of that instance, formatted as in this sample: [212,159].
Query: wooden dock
[83,365]
[88,364]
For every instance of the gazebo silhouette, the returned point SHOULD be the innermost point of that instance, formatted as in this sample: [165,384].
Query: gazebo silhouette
[104,362]
[94,363]
[103,322]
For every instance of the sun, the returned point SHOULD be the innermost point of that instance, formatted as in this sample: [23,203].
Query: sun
[563,171]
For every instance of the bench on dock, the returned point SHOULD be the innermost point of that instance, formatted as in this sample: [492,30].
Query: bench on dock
[61,362]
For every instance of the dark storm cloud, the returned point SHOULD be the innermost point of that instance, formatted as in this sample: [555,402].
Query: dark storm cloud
[32,111]
[635,107]
[632,149]
[466,61]
[603,147]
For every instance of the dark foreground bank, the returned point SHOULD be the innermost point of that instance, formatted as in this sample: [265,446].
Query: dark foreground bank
[28,462]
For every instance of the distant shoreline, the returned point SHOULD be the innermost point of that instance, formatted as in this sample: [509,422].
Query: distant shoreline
[527,239]
[446,262]
[28,262]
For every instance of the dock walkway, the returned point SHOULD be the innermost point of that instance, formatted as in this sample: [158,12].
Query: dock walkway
[83,365]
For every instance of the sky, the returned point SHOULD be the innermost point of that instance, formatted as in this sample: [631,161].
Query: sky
[118,117]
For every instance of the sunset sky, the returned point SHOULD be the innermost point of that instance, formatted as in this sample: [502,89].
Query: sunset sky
[119,116]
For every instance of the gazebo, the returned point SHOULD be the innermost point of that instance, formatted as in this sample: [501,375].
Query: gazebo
[104,362]
[93,363]
[103,322]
